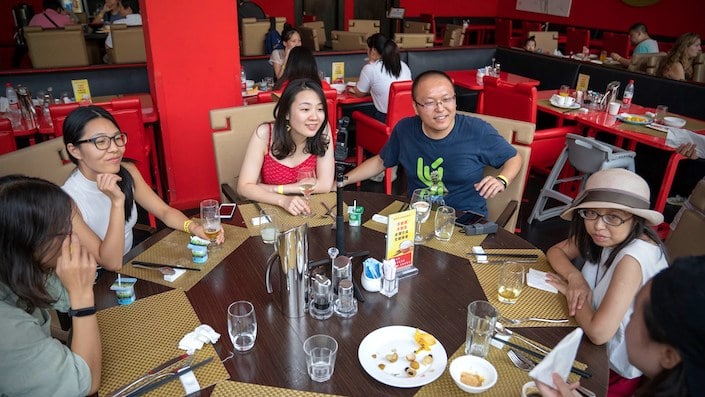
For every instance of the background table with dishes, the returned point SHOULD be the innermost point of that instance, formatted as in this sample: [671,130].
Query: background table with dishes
[146,333]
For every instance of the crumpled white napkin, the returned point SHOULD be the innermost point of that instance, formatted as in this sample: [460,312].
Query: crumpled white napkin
[537,279]
[679,136]
[194,340]
[559,360]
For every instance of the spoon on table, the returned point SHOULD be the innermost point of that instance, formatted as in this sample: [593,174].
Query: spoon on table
[499,327]
[167,271]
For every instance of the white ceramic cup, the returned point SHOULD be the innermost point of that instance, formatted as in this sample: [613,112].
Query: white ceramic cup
[613,108]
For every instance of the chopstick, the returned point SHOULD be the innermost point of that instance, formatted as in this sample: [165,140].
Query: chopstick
[152,264]
[527,256]
[168,379]
[523,349]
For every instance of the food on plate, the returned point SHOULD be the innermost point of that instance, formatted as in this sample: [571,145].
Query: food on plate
[414,364]
[634,118]
[471,379]
[381,366]
[411,357]
[410,371]
[427,360]
[425,340]
[392,357]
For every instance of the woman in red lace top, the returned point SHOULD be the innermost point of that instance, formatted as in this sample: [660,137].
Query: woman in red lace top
[298,138]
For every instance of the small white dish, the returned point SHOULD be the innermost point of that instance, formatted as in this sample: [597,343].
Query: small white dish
[473,365]
[530,390]
[556,101]
[339,88]
[674,121]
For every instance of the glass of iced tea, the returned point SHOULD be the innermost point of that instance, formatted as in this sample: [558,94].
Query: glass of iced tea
[511,282]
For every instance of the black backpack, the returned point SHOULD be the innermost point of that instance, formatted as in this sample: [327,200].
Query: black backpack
[272,41]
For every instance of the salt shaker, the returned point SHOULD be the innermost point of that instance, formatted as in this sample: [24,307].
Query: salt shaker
[346,304]
[342,270]
[321,302]
[390,281]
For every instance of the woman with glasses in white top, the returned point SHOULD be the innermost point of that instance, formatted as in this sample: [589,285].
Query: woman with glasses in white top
[611,230]
[106,188]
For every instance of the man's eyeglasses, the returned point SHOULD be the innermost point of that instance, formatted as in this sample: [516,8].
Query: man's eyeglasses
[431,104]
[609,219]
[102,142]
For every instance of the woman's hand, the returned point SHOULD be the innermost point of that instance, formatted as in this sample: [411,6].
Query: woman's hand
[108,184]
[575,289]
[687,150]
[76,269]
[564,389]
[295,205]
[197,230]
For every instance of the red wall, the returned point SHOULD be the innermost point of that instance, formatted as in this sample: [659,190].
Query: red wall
[450,8]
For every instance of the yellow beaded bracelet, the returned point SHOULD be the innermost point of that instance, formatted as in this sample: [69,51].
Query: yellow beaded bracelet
[280,189]
[187,224]
[504,180]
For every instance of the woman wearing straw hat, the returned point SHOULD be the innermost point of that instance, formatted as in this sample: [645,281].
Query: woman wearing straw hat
[610,230]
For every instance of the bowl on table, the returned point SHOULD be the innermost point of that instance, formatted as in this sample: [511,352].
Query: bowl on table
[473,366]
[339,87]
[674,121]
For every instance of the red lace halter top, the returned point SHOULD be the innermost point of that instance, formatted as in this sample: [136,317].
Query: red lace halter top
[276,173]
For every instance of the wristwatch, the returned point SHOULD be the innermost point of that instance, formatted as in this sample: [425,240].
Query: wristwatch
[86,311]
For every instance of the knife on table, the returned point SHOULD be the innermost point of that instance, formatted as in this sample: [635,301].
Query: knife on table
[152,264]
[152,372]
[168,378]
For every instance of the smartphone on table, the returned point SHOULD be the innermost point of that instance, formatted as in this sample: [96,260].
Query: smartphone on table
[469,218]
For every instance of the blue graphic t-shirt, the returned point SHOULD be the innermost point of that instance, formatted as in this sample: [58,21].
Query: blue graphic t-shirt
[459,158]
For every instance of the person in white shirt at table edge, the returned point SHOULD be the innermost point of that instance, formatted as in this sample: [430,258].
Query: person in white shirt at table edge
[457,147]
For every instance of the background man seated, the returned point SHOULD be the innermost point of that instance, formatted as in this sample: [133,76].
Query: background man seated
[53,17]
[643,44]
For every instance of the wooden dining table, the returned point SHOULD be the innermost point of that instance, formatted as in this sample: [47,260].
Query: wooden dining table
[434,300]
[627,135]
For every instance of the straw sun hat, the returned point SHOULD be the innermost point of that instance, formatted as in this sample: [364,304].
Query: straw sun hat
[619,189]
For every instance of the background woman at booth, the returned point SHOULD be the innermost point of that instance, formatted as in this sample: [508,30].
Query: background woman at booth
[678,64]
[290,39]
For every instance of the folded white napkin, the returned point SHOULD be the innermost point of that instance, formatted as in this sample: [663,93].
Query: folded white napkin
[679,136]
[559,360]
[537,279]
[194,340]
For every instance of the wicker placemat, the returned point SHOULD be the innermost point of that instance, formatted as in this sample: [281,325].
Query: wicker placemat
[140,336]
[230,388]
[459,245]
[532,302]
[510,379]
[172,250]
[289,221]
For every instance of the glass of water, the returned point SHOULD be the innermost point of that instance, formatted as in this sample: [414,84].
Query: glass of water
[320,356]
[242,325]
[482,317]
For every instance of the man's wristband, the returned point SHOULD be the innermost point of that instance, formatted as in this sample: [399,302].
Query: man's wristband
[86,311]
[280,189]
[503,179]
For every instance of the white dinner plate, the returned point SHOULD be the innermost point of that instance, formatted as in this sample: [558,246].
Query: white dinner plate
[574,105]
[378,343]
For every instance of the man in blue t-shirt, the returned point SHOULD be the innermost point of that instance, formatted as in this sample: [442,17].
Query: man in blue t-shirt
[643,44]
[457,147]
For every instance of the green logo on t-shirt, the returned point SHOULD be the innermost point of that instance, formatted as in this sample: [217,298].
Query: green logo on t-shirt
[432,176]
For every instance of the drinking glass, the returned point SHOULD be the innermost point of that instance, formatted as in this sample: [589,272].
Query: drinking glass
[511,282]
[444,222]
[564,91]
[421,202]
[482,317]
[307,182]
[320,353]
[661,112]
[242,325]
[269,225]
[210,218]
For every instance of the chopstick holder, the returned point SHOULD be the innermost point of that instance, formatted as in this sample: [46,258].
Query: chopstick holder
[172,277]
[189,382]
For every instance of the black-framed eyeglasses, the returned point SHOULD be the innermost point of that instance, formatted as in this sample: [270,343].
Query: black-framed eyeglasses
[102,142]
[431,104]
[609,219]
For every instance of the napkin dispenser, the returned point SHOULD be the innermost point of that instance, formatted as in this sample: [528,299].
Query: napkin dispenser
[291,251]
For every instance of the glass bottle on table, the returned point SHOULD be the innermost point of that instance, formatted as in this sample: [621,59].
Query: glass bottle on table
[420,201]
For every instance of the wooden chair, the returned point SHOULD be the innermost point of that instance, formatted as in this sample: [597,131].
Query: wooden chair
[128,44]
[57,48]
[453,35]
[372,134]
[431,19]
[699,68]
[309,38]
[518,102]
[413,40]
[342,40]
[417,27]
[576,39]
[369,26]
[646,63]
[503,209]
[320,28]
[7,138]
[47,160]
[686,237]
[254,32]
[232,129]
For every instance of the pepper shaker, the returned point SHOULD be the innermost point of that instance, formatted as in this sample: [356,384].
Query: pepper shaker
[346,304]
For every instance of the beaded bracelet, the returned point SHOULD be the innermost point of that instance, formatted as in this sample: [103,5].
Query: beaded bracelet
[187,224]
[280,189]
